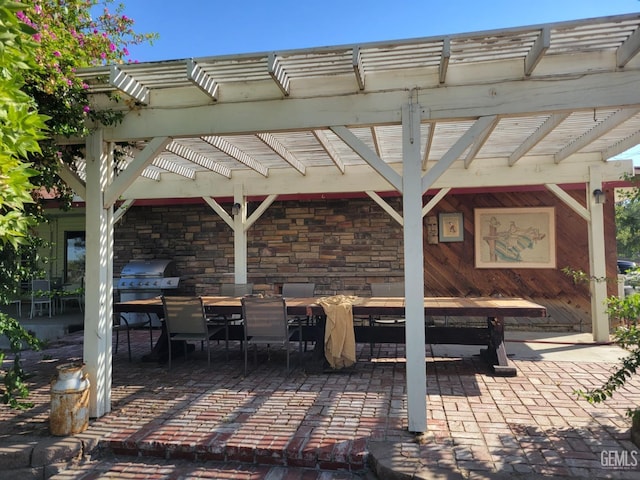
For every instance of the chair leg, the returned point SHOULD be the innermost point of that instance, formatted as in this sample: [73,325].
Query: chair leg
[371,324]
[129,343]
[170,354]
[246,349]
[115,350]
[150,332]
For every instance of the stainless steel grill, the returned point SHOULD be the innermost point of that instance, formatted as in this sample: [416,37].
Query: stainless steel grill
[141,279]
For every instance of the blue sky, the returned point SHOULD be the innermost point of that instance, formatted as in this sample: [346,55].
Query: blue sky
[200,28]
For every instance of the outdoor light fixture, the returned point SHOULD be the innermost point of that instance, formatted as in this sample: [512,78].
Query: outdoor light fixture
[598,196]
[235,209]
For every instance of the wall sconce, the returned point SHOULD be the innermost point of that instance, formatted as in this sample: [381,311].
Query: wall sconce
[599,196]
[235,209]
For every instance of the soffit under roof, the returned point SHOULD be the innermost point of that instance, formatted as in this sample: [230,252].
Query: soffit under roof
[431,66]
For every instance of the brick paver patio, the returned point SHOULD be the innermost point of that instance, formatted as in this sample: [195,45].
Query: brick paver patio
[217,421]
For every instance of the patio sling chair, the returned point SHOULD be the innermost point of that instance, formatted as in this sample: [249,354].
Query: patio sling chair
[73,292]
[185,321]
[299,290]
[40,296]
[266,323]
[122,323]
[231,290]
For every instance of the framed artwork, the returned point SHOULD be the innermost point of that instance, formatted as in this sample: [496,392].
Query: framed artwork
[450,227]
[515,237]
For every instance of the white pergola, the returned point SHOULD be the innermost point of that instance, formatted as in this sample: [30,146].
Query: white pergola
[540,105]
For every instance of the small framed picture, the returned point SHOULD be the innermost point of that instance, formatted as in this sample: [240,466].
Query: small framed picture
[451,227]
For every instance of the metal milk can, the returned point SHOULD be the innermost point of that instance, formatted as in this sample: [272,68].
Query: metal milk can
[69,400]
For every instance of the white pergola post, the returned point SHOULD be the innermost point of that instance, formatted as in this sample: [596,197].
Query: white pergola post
[414,269]
[240,237]
[597,261]
[99,276]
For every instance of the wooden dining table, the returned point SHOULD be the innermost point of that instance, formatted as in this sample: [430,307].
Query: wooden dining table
[491,335]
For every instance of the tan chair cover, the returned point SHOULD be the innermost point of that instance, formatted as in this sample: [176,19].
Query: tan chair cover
[339,338]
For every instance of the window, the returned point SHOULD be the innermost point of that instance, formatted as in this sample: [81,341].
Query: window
[75,252]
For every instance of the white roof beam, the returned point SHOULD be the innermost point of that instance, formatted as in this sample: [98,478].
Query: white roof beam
[172,167]
[629,49]
[278,73]
[369,156]
[603,127]
[538,49]
[322,137]
[569,201]
[198,158]
[129,85]
[477,130]
[122,209]
[202,79]
[237,154]
[435,200]
[429,144]
[536,137]
[602,90]
[151,174]
[274,144]
[376,141]
[480,140]
[444,59]
[72,179]
[621,146]
[134,169]
[386,207]
[361,178]
[358,69]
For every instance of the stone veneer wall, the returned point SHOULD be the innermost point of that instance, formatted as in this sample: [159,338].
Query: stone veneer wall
[339,245]
[345,245]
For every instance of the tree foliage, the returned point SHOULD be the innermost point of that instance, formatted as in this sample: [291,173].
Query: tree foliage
[627,312]
[42,45]
[628,224]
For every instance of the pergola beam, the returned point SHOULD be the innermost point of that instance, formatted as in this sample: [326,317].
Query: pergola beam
[237,154]
[538,49]
[202,79]
[328,147]
[536,137]
[197,158]
[600,129]
[129,85]
[369,156]
[444,60]
[476,132]
[358,69]
[604,90]
[629,49]
[279,74]
[134,169]
[274,144]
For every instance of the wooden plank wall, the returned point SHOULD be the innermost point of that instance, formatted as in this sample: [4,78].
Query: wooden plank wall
[450,267]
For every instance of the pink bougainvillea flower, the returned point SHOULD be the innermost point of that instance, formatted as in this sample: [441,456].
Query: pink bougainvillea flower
[86,109]
[57,54]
